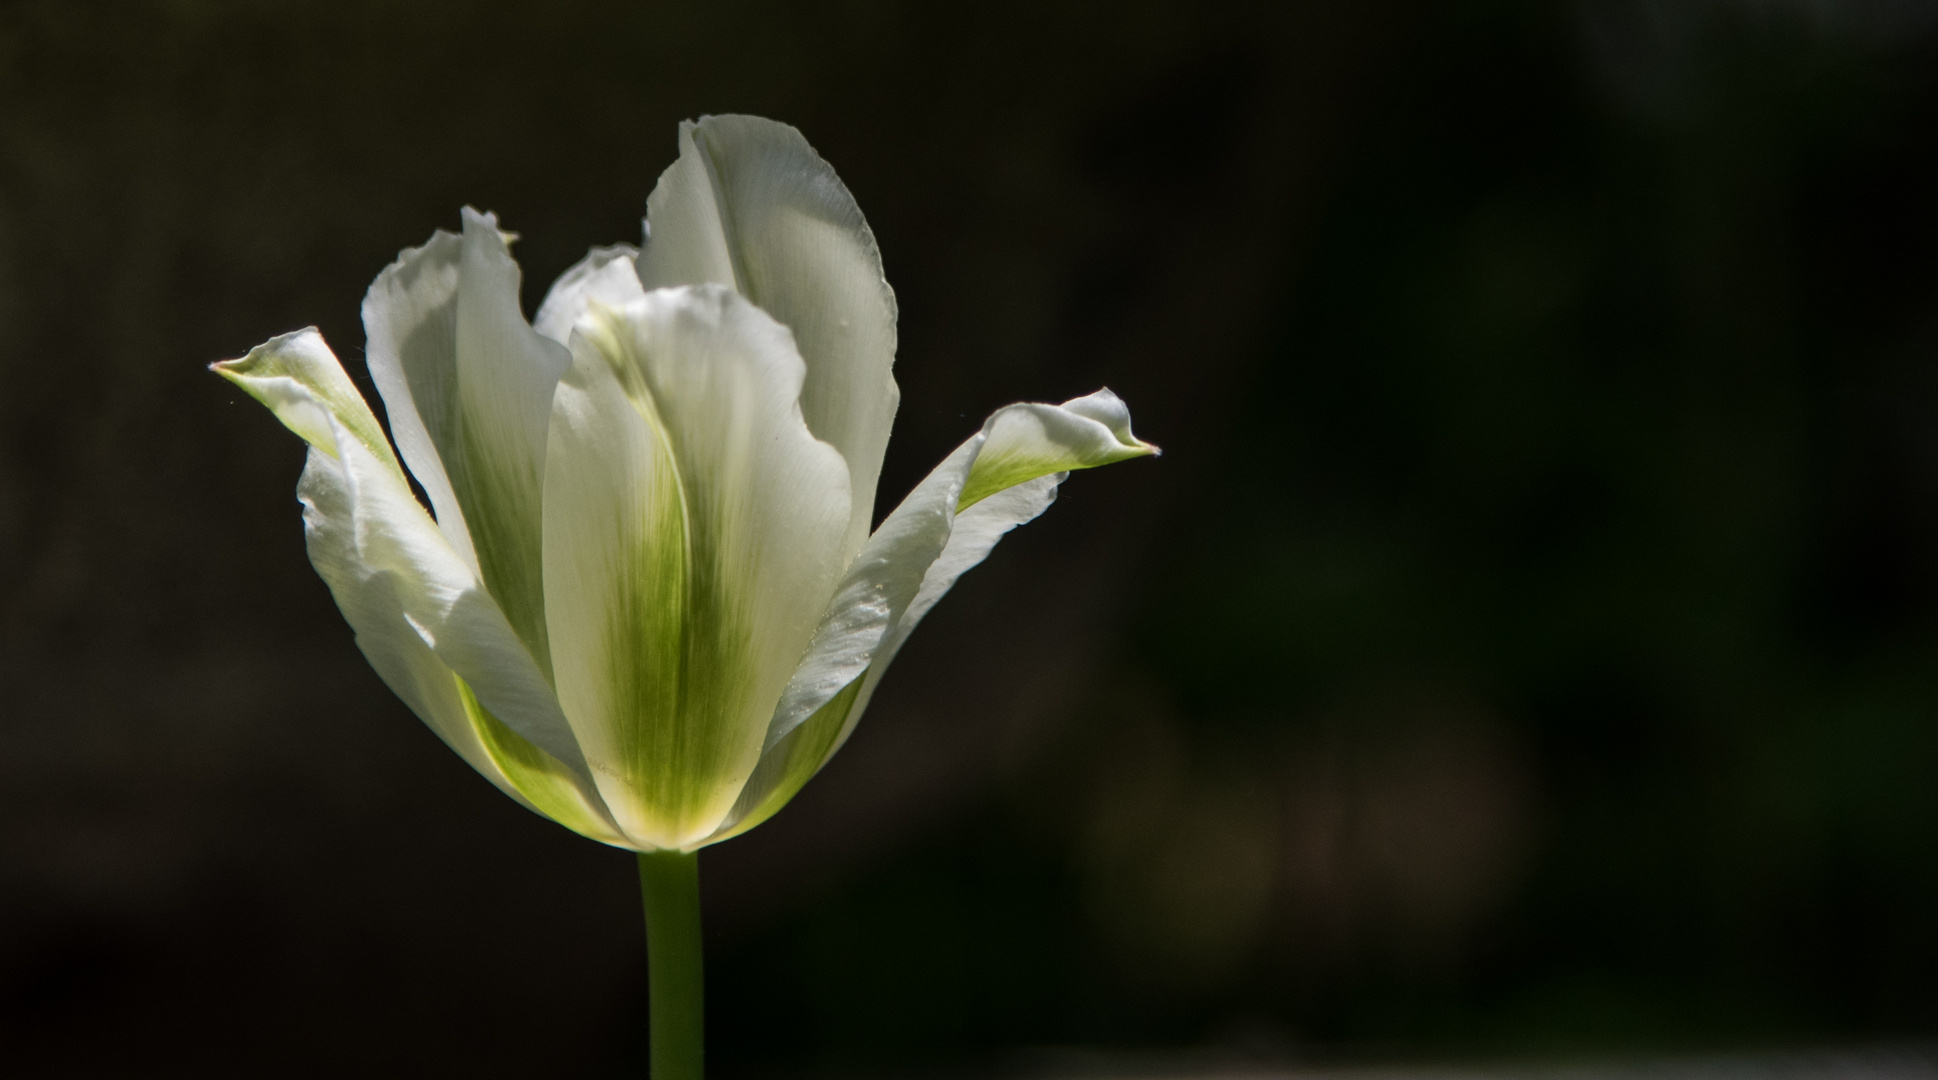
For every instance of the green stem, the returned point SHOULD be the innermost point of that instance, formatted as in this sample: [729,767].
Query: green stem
[669,881]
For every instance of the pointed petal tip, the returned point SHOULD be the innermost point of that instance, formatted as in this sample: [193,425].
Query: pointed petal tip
[242,366]
[1106,408]
[474,218]
[301,381]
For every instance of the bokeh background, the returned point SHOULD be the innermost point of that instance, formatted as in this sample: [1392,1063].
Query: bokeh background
[1527,648]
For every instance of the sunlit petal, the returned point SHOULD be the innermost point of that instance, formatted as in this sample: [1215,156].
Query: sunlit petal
[915,557]
[750,205]
[606,276]
[415,607]
[693,532]
[469,388]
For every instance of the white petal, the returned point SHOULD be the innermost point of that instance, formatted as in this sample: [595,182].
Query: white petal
[878,588]
[693,533]
[445,603]
[750,205]
[410,323]
[370,603]
[606,275]
[1028,441]
[469,388]
[974,536]
[418,616]
[299,379]
[1028,451]
[921,549]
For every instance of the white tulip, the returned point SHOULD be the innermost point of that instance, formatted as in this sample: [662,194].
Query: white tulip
[645,601]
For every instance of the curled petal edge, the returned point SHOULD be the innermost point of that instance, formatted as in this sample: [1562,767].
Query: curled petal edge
[419,615]
[1004,475]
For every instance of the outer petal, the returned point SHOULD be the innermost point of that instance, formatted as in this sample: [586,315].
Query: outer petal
[395,648]
[359,519]
[410,321]
[693,532]
[299,378]
[931,539]
[468,385]
[444,601]
[750,205]
[1028,441]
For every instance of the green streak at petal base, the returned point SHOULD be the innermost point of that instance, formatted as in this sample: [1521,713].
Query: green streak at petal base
[541,778]
[497,512]
[786,768]
[680,634]
[993,473]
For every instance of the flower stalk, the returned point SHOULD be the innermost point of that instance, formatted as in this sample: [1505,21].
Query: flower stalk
[669,885]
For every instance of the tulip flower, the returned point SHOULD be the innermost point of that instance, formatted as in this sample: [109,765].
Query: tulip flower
[645,600]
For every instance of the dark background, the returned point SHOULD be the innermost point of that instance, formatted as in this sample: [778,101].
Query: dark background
[1526,648]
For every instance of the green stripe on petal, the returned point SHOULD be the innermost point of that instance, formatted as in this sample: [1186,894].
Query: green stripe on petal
[468,385]
[301,381]
[750,205]
[693,533]
[506,374]
[789,764]
[543,780]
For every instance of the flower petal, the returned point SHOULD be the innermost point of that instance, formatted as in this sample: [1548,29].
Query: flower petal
[370,604]
[878,587]
[418,612]
[606,275]
[299,379]
[445,602]
[750,205]
[542,781]
[930,540]
[789,764]
[693,532]
[468,384]
[1028,441]
[410,323]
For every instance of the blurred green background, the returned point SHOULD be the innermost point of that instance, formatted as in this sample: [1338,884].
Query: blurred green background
[1527,647]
